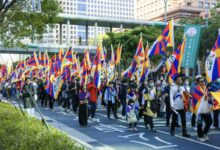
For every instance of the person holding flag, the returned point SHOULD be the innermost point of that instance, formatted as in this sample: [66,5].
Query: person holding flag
[202,109]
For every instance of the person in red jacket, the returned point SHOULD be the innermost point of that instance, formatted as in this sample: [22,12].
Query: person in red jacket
[93,91]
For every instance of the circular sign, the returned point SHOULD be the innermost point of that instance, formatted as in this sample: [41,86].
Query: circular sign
[191,32]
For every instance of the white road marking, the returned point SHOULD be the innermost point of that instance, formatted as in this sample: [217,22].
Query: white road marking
[152,146]
[165,142]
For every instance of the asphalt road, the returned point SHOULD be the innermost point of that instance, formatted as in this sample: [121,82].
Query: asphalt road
[114,134]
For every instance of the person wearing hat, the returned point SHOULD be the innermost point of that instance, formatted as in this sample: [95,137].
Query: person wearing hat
[149,104]
[201,102]
[177,106]
[27,95]
[110,95]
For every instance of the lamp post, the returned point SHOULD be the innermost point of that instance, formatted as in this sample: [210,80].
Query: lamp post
[165,7]
[207,14]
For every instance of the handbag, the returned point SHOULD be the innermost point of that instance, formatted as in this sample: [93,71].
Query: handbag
[132,117]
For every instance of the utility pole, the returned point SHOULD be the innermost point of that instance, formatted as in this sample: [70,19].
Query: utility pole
[207,14]
[165,7]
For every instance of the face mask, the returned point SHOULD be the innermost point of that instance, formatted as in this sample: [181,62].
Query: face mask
[218,80]
[164,83]
[132,104]
[151,84]
[158,82]
[161,79]
[187,82]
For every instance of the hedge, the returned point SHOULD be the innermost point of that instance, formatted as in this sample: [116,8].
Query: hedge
[27,133]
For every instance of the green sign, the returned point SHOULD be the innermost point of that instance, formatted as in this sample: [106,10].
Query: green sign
[192,44]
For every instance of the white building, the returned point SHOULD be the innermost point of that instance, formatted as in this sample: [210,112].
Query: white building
[120,9]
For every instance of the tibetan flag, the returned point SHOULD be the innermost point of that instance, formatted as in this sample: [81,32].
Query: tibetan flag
[130,70]
[41,59]
[87,58]
[165,39]
[66,73]
[177,57]
[46,59]
[197,99]
[84,76]
[213,62]
[60,54]
[33,61]
[69,55]
[216,103]
[54,58]
[49,87]
[97,74]
[145,68]
[139,55]
[112,60]
[118,55]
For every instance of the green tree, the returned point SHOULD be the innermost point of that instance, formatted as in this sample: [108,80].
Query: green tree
[130,38]
[20,22]
[209,34]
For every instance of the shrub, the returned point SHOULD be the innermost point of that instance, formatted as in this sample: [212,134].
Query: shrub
[27,133]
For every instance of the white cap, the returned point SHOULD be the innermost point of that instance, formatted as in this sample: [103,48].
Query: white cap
[198,76]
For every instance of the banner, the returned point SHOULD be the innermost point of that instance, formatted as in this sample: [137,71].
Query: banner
[192,44]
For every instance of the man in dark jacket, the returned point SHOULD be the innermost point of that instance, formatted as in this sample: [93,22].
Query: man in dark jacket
[27,96]
[123,90]
[74,93]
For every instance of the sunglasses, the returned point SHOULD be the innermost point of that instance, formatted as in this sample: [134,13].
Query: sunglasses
[202,81]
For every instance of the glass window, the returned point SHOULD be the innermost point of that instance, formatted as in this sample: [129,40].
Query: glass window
[82,7]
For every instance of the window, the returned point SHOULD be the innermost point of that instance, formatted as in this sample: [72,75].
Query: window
[206,5]
[189,4]
[200,4]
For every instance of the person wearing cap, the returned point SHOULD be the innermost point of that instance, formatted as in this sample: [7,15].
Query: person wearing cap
[150,104]
[110,95]
[93,96]
[177,106]
[202,109]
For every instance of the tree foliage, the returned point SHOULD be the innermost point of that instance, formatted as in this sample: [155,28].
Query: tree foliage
[130,38]
[209,34]
[20,22]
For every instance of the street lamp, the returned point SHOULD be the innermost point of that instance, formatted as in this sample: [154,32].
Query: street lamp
[165,6]
[207,14]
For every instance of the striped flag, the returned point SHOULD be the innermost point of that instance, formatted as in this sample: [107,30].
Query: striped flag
[213,62]
[165,39]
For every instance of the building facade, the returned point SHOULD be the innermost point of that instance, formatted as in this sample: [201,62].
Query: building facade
[120,9]
[176,9]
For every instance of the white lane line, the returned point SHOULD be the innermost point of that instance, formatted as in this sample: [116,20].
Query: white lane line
[191,140]
[159,139]
[188,139]
[152,146]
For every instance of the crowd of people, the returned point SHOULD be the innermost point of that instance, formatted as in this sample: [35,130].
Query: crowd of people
[153,98]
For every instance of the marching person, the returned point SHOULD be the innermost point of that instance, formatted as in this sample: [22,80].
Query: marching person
[132,111]
[202,109]
[27,95]
[74,93]
[83,107]
[177,106]
[123,90]
[110,94]
[215,86]
[149,104]
[93,96]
